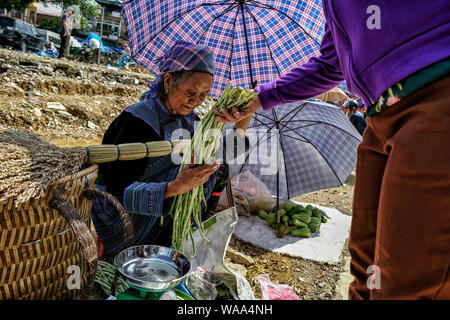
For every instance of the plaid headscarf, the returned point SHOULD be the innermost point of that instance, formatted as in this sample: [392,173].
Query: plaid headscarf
[183,56]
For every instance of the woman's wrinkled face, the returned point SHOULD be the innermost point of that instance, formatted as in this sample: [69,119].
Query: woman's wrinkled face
[186,95]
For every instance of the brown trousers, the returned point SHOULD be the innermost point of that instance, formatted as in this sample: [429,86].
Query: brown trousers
[400,233]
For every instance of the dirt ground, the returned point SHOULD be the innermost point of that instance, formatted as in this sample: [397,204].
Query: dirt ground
[72,104]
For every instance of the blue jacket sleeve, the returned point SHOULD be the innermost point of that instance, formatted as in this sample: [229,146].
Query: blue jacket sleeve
[146,198]
[149,198]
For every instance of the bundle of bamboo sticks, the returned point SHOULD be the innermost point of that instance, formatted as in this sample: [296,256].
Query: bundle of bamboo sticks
[132,151]
[28,163]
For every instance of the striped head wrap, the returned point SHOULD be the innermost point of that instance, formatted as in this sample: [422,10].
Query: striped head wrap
[183,56]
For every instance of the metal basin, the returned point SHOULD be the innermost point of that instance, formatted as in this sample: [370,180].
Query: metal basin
[152,268]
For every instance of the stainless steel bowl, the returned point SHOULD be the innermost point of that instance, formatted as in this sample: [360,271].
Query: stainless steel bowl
[152,268]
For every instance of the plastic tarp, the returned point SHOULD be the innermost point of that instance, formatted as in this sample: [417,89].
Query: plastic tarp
[324,245]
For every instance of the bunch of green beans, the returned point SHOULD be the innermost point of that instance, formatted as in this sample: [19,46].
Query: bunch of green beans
[204,144]
[105,276]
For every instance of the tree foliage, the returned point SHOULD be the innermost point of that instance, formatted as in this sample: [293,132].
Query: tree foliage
[19,5]
[50,23]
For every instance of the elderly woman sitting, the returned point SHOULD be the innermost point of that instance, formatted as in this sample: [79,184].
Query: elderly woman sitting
[147,186]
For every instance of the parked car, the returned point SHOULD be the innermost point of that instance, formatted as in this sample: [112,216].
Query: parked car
[50,36]
[19,34]
[54,37]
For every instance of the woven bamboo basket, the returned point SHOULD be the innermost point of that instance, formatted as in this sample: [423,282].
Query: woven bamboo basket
[39,242]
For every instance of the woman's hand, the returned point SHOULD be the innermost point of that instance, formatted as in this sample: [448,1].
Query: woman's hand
[236,116]
[242,119]
[190,178]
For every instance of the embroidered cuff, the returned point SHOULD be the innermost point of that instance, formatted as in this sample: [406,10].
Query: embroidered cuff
[145,198]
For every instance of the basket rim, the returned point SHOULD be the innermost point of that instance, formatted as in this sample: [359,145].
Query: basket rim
[77,175]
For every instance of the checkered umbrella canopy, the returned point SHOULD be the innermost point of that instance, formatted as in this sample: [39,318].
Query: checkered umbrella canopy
[251,39]
[317,147]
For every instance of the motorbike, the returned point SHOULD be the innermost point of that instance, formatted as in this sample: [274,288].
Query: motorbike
[86,54]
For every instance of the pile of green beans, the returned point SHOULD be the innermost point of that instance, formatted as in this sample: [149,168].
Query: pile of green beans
[105,276]
[204,144]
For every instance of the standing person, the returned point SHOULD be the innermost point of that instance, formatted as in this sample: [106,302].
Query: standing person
[64,32]
[355,117]
[400,233]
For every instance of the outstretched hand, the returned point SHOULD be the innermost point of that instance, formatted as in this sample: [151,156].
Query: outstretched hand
[236,116]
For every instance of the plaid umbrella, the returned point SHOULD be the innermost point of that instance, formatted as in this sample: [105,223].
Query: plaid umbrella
[316,146]
[251,39]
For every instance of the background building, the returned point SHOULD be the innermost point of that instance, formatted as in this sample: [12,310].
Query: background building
[49,11]
[113,24]
[109,23]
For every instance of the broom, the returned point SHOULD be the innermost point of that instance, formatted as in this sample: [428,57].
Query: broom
[131,151]
[28,163]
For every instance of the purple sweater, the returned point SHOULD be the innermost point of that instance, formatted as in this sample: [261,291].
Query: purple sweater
[413,34]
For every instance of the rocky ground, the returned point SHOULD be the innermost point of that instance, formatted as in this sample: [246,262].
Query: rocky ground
[72,104]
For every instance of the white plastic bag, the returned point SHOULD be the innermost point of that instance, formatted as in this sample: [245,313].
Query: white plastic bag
[249,193]
[200,285]
[210,254]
